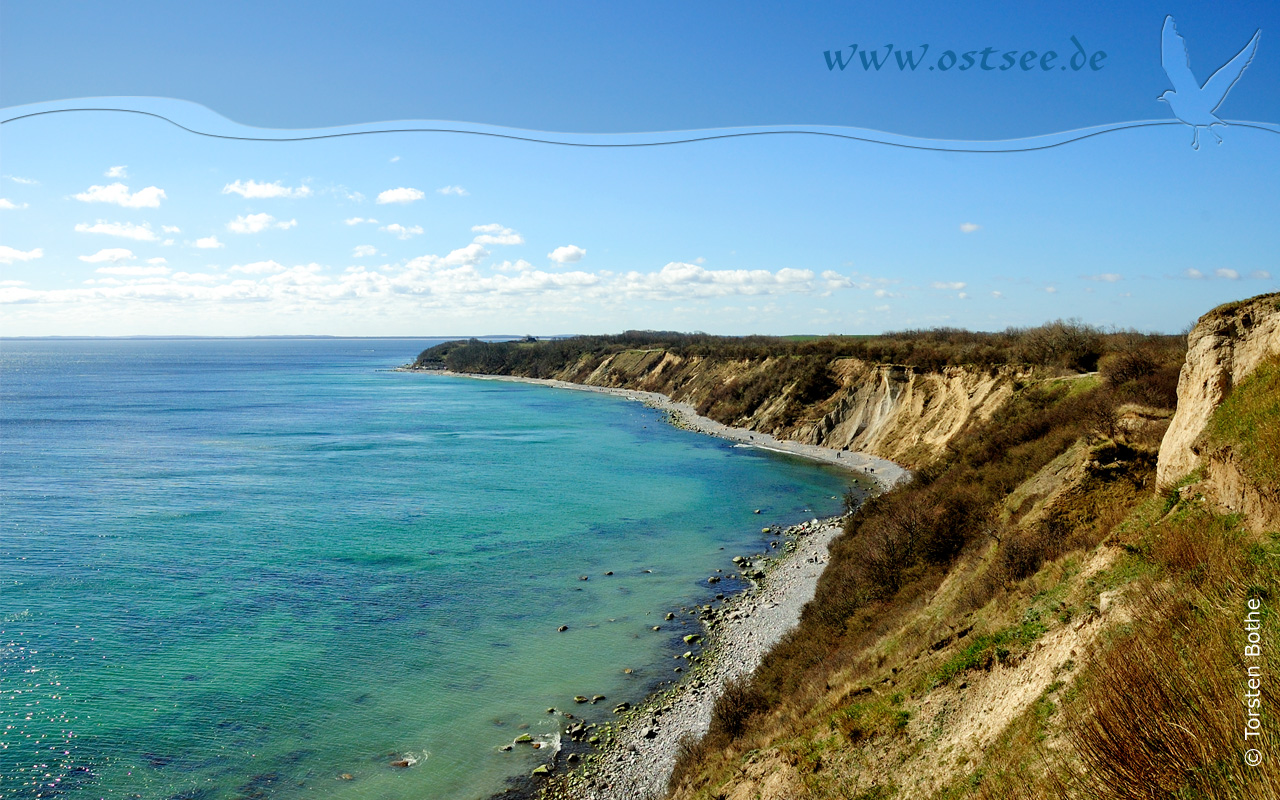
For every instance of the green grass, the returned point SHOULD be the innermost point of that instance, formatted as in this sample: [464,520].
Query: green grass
[1249,421]
[985,649]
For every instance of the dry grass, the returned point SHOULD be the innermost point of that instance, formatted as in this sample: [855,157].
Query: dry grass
[1161,711]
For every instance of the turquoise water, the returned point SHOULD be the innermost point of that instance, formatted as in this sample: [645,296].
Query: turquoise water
[245,568]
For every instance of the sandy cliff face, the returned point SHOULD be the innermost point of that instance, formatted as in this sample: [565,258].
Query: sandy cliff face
[902,415]
[1226,345]
[888,411]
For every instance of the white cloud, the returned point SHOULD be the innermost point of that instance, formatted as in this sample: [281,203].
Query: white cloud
[157,261]
[254,190]
[195,277]
[1260,275]
[963,295]
[361,251]
[519,265]
[568,254]
[170,229]
[1106,277]
[8,255]
[112,254]
[402,231]
[5,203]
[14,283]
[358,220]
[1051,289]
[209,243]
[258,268]
[833,279]
[256,223]
[401,195]
[118,194]
[394,159]
[467,256]
[968,227]
[125,230]
[1194,274]
[455,190]
[23,181]
[679,279]
[471,254]
[117,172]
[496,234]
[948,285]
[136,272]
[997,295]
[1229,274]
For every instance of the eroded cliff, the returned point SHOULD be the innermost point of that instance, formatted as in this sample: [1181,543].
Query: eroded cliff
[895,412]
[1226,346]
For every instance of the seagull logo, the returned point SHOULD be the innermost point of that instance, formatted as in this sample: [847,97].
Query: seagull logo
[1192,103]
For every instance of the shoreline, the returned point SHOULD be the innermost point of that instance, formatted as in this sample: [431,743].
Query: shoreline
[638,751]
[636,761]
[885,473]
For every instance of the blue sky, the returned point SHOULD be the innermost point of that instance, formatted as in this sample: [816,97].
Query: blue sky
[118,224]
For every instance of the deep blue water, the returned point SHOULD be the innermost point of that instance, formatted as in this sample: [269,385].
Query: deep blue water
[235,568]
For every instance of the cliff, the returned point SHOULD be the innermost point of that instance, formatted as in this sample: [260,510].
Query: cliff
[1224,347]
[900,413]
[1082,640]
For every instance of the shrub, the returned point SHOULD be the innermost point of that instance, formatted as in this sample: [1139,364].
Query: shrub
[735,708]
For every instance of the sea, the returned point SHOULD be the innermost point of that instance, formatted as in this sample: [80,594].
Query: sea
[249,568]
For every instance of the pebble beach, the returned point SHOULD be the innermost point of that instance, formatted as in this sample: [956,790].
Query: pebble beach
[639,749]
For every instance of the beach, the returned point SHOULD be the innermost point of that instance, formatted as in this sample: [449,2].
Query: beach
[639,750]
[885,473]
[637,761]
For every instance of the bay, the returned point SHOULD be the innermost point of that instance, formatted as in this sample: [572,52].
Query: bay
[249,568]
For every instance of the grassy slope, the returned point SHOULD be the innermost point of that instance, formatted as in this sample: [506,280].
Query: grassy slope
[1085,641]
[1246,422]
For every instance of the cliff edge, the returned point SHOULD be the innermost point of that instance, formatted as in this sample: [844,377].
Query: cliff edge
[1226,346]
